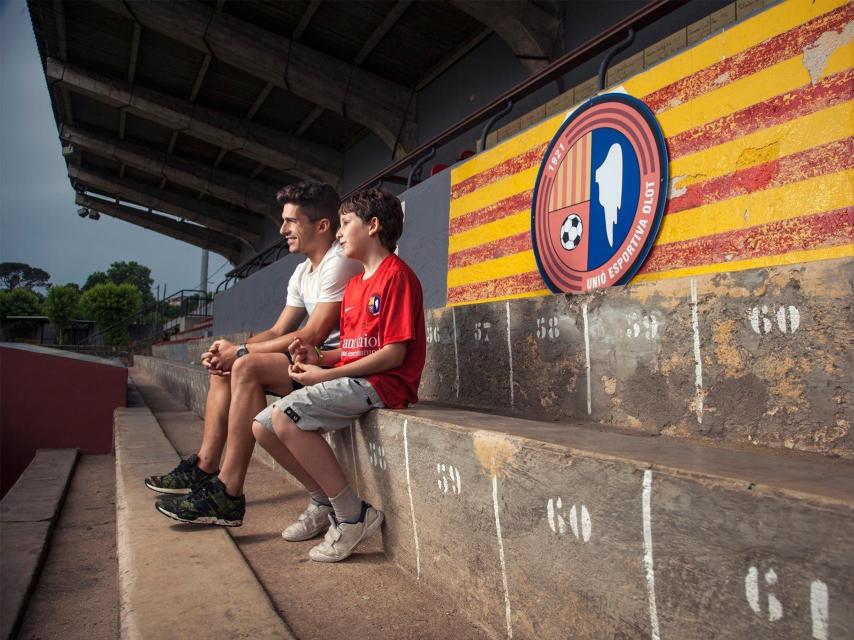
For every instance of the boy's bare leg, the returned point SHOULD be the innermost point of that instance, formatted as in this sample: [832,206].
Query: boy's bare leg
[281,455]
[250,376]
[216,423]
[312,452]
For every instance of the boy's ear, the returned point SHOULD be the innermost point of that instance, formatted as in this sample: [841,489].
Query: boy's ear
[374,226]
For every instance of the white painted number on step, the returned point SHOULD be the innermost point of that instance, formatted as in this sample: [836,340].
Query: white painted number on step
[579,519]
[481,331]
[643,327]
[432,334]
[548,328]
[764,319]
[449,479]
[376,454]
[819,610]
[752,580]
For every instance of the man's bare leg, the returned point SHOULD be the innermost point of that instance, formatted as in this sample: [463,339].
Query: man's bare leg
[250,375]
[216,423]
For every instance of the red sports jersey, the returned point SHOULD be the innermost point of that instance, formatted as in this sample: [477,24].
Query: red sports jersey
[386,308]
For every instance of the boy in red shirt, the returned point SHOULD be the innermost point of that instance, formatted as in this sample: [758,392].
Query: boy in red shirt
[379,364]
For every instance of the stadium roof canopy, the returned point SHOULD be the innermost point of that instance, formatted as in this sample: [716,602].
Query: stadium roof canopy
[202,110]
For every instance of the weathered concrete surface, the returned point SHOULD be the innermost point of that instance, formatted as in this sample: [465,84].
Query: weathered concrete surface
[169,589]
[732,532]
[728,533]
[76,596]
[27,515]
[760,357]
[373,597]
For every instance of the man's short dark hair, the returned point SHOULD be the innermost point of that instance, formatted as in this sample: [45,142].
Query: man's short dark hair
[382,205]
[316,200]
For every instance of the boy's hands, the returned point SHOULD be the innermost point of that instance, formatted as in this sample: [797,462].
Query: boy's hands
[308,374]
[303,353]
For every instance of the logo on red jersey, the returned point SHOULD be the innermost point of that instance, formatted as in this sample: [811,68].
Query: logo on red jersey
[374,304]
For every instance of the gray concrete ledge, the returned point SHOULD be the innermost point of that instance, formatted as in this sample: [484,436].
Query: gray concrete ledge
[168,585]
[28,513]
[539,528]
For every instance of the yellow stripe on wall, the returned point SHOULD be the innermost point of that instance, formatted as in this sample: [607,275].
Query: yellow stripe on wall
[738,38]
[494,192]
[793,257]
[511,265]
[822,193]
[776,80]
[508,226]
[512,296]
[816,129]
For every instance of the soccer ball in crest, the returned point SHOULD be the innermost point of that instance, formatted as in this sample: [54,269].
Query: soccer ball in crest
[571,232]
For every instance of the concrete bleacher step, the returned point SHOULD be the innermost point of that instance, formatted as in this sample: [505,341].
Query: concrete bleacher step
[28,513]
[540,529]
[167,581]
[367,596]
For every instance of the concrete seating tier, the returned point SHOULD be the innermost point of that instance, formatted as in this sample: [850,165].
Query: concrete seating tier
[540,528]
[28,513]
[758,357]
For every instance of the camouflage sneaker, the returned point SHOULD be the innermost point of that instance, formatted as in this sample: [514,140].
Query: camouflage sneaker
[182,479]
[208,504]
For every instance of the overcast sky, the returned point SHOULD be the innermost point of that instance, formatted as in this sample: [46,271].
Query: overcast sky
[38,218]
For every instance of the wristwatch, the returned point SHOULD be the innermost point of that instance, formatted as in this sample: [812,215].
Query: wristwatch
[242,350]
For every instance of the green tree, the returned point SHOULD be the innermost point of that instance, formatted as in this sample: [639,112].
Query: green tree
[136,274]
[17,302]
[61,307]
[20,274]
[112,307]
[95,278]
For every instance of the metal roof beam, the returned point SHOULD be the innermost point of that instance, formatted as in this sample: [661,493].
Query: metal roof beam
[374,102]
[210,215]
[191,234]
[275,149]
[253,195]
[533,34]
[379,33]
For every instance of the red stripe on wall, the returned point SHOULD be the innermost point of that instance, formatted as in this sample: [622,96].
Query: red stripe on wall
[826,159]
[510,285]
[832,90]
[492,212]
[766,54]
[513,165]
[490,250]
[808,232]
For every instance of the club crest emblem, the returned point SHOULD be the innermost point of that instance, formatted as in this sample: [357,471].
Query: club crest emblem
[374,304]
[599,196]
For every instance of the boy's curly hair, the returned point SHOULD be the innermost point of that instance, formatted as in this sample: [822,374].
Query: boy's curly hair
[316,200]
[382,205]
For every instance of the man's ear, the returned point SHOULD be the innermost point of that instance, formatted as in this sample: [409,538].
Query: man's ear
[324,225]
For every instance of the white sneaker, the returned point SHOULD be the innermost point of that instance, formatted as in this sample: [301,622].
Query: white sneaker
[312,521]
[342,539]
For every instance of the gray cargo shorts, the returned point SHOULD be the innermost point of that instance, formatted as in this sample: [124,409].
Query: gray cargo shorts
[326,405]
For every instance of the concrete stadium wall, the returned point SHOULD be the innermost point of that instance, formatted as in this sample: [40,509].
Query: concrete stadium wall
[761,357]
[537,528]
[55,399]
[758,122]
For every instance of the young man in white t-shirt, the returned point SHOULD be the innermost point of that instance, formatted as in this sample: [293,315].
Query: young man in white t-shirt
[240,374]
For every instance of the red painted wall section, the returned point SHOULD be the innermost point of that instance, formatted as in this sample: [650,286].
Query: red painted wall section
[54,399]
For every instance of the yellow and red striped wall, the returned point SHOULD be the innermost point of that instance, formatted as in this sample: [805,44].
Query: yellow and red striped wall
[759,122]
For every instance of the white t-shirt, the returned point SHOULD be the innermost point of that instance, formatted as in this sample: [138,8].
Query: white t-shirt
[326,283]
